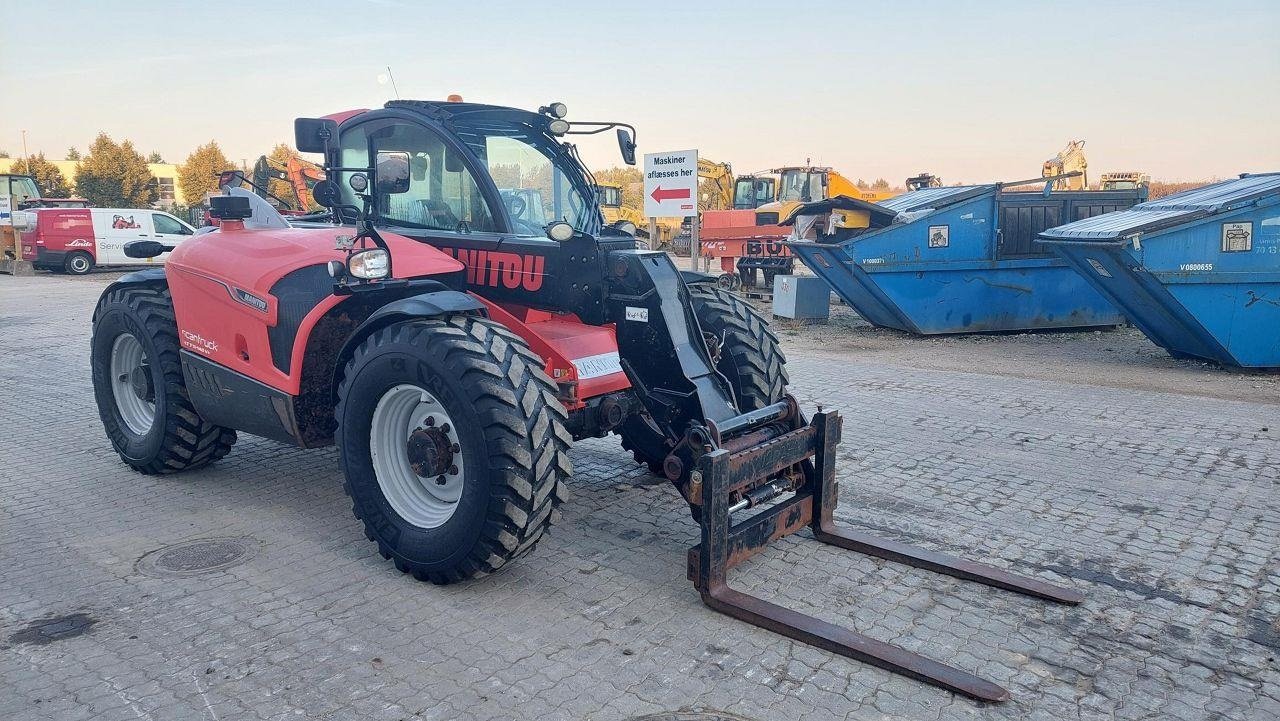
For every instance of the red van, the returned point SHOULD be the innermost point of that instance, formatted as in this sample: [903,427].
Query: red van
[76,240]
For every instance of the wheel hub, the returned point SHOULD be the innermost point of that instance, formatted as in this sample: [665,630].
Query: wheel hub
[140,382]
[430,452]
[417,455]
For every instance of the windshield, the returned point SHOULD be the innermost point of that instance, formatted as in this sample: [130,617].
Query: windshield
[23,189]
[537,177]
[801,185]
[442,193]
[752,193]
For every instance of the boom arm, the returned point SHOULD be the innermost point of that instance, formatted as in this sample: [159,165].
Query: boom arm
[722,174]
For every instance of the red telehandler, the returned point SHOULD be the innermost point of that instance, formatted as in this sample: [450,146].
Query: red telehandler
[452,348]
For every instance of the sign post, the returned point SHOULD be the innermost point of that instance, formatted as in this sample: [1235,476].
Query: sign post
[671,191]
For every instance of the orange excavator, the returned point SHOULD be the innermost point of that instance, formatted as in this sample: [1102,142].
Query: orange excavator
[299,174]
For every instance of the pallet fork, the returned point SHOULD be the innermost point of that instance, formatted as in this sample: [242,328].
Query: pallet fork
[803,460]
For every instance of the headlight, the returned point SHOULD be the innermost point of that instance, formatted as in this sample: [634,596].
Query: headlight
[369,264]
[560,231]
[558,127]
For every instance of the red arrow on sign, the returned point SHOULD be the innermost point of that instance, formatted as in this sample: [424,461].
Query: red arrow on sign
[660,195]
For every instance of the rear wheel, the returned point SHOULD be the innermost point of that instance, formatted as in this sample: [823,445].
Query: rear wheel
[453,445]
[78,263]
[138,384]
[749,357]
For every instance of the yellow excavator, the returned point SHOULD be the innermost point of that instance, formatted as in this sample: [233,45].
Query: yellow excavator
[1068,160]
[737,192]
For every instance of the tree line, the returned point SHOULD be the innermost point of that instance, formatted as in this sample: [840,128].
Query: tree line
[112,174]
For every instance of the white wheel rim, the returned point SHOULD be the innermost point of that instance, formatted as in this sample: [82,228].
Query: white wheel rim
[79,264]
[128,359]
[425,502]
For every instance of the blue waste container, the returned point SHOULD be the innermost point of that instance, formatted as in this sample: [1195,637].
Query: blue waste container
[963,259]
[1198,272]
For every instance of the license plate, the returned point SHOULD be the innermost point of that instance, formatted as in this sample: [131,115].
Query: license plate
[594,366]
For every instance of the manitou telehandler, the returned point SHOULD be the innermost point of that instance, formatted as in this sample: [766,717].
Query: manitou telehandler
[453,349]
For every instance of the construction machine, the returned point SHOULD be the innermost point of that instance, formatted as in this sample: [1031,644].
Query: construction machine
[453,349]
[808,184]
[1124,181]
[752,246]
[609,196]
[922,181]
[1068,161]
[736,192]
[299,175]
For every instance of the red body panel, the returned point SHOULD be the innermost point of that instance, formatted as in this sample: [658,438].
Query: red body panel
[205,271]
[60,230]
[208,274]
[732,234]
[577,355]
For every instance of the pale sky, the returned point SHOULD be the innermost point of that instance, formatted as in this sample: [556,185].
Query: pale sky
[972,92]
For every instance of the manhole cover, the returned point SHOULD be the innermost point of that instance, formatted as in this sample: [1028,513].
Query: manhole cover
[192,558]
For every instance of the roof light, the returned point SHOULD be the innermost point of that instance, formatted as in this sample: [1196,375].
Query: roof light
[555,110]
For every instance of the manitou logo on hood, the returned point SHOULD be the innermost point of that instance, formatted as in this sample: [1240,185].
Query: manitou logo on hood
[500,269]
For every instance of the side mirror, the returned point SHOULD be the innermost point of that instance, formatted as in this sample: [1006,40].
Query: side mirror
[627,146]
[230,179]
[391,173]
[145,248]
[312,135]
[325,193]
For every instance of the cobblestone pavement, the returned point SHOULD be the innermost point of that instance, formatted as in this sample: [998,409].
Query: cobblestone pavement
[1163,509]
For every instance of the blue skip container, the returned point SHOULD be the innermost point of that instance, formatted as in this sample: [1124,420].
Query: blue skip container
[1198,272]
[962,259]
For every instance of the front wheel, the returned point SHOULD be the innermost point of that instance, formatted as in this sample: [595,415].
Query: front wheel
[747,354]
[138,383]
[453,445]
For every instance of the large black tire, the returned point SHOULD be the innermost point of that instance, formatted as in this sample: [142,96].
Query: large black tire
[77,263]
[750,358]
[511,439]
[178,438]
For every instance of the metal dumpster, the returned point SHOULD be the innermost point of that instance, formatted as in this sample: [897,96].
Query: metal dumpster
[1198,272]
[964,259]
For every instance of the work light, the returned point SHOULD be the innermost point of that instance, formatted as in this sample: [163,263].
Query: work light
[369,264]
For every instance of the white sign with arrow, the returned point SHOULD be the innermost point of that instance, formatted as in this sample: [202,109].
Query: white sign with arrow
[671,184]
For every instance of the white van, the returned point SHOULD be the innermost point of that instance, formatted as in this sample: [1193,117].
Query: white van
[75,240]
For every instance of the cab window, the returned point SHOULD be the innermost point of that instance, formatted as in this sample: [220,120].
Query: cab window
[169,226]
[443,195]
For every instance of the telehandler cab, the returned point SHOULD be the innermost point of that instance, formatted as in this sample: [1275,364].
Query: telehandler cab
[452,342]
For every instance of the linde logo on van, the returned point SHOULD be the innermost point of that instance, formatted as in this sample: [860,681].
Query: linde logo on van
[671,184]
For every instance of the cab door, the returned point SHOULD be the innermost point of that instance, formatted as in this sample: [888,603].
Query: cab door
[170,231]
[113,227]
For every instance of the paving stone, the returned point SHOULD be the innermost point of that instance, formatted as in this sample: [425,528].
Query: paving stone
[1161,508]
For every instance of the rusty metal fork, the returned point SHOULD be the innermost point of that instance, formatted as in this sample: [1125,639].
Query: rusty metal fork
[724,545]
